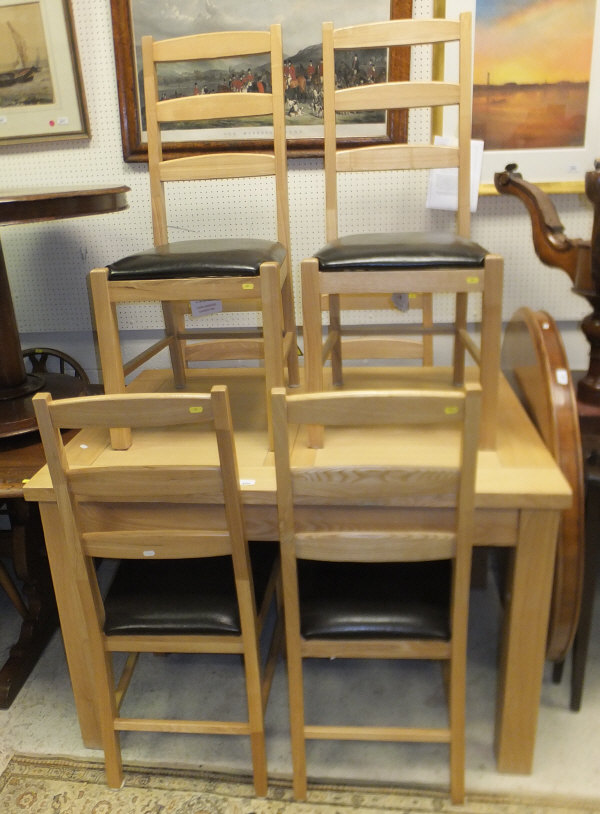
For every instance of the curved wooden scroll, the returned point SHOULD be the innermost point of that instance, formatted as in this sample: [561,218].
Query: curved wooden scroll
[535,363]
[580,259]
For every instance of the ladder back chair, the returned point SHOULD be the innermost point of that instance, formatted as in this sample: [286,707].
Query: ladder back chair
[422,263]
[187,581]
[390,577]
[239,273]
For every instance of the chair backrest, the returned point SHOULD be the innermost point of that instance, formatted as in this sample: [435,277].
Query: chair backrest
[217,104]
[139,506]
[388,95]
[421,482]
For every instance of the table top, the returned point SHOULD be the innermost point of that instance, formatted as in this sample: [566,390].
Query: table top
[519,473]
[34,204]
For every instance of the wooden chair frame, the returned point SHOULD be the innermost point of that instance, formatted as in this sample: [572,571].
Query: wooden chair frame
[323,290]
[103,512]
[271,292]
[424,486]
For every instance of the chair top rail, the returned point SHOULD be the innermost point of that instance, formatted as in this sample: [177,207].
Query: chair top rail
[212,45]
[139,410]
[389,33]
[376,407]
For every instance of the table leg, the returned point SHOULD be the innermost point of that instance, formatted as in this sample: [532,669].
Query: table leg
[73,631]
[523,647]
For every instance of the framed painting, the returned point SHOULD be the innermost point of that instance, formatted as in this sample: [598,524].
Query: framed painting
[536,82]
[41,92]
[301,27]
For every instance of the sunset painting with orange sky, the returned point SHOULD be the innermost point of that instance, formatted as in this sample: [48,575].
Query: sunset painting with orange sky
[531,72]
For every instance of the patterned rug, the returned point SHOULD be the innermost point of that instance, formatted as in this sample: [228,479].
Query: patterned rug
[36,785]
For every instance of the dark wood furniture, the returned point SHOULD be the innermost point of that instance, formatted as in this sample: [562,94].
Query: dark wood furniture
[29,206]
[580,259]
[21,453]
[20,457]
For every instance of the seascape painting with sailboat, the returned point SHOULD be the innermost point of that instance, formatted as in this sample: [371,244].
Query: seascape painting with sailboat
[532,72]
[25,77]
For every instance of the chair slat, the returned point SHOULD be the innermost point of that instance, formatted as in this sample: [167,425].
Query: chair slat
[160,544]
[376,486]
[214,106]
[228,165]
[393,95]
[396,157]
[375,546]
[139,483]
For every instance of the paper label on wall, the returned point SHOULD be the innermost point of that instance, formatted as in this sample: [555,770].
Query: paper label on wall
[201,308]
[442,190]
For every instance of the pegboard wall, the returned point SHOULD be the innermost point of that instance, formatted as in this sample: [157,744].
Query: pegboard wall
[48,263]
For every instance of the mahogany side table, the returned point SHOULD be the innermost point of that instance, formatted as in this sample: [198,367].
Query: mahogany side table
[29,206]
[21,453]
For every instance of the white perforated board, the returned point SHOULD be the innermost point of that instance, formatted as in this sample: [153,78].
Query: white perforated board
[48,263]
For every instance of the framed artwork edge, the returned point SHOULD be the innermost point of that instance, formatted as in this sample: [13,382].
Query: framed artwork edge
[135,149]
[556,170]
[70,87]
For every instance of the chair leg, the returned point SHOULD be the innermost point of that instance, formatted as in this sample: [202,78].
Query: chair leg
[289,327]
[295,683]
[460,322]
[313,341]
[335,327]
[491,338]
[272,314]
[174,326]
[109,347]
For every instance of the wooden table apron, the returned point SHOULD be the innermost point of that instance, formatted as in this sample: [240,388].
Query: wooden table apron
[520,494]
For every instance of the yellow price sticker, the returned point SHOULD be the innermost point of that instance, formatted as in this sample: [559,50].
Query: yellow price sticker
[196,409]
[248,286]
[472,280]
[451,410]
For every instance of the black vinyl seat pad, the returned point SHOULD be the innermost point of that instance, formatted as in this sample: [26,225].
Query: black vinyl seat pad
[190,596]
[375,600]
[198,258]
[398,250]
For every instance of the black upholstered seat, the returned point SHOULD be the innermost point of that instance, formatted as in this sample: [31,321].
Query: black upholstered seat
[374,600]
[195,597]
[198,258]
[397,250]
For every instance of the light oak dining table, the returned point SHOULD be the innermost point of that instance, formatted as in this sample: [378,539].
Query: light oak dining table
[520,494]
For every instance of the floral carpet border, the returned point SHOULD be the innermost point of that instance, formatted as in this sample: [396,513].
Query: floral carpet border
[33,784]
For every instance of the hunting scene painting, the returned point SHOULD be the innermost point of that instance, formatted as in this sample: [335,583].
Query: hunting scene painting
[532,73]
[301,27]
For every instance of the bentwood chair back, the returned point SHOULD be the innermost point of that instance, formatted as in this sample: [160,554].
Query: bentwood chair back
[389,579]
[184,583]
[227,272]
[385,263]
